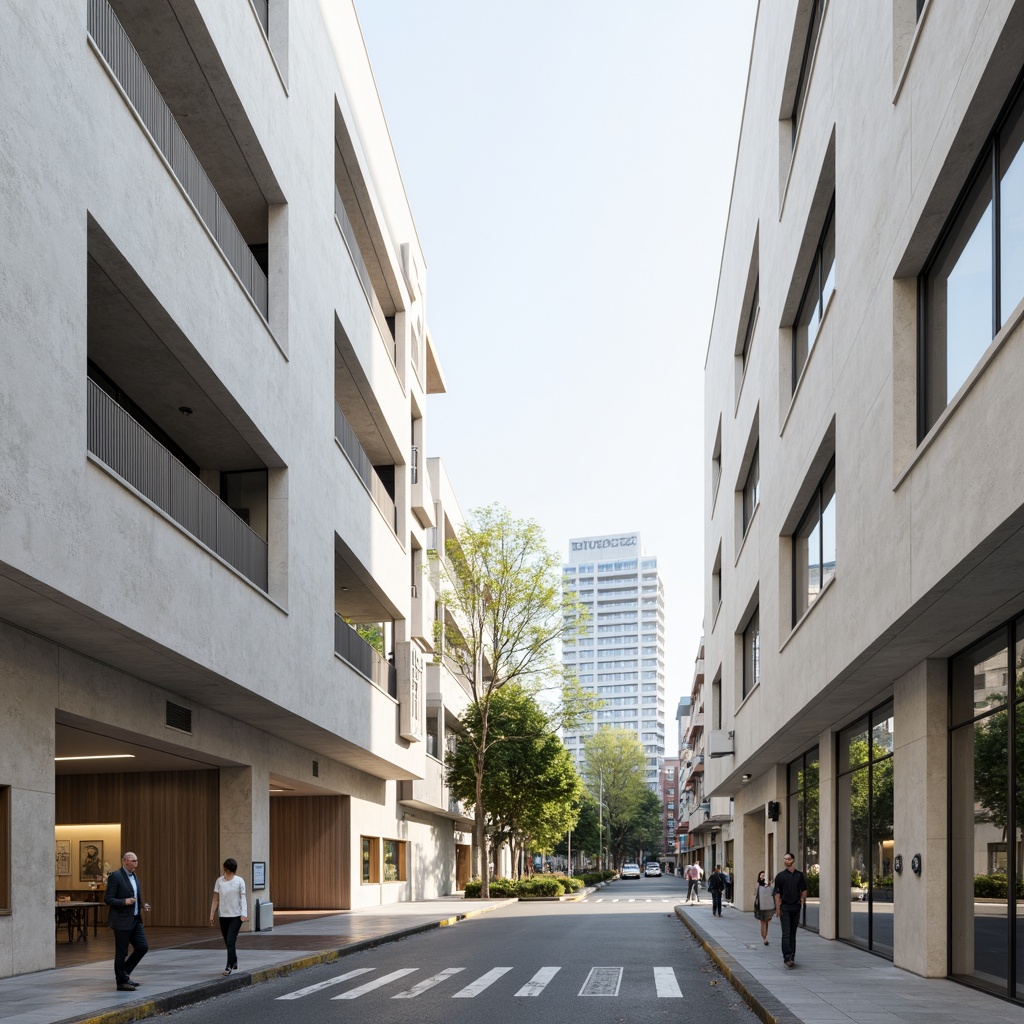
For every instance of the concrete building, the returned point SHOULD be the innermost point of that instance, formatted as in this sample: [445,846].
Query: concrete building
[707,837]
[668,790]
[216,633]
[865,484]
[621,655]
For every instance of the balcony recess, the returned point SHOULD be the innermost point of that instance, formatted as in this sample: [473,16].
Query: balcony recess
[360,461]
[352,648]
[122,444]
[128,69]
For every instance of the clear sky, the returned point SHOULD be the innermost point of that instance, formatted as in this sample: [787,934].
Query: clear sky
[569,164]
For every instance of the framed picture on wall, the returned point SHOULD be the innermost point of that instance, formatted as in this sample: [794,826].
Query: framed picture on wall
[90,860]
[62,856]
[259,874]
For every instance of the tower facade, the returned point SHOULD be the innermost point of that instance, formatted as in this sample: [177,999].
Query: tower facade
[620,655]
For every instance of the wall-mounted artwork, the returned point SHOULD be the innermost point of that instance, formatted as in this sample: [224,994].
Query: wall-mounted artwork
[62,856]
[90,860]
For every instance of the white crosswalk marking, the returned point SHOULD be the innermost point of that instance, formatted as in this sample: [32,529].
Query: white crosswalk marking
[476,987]
[538,982]
[666,984]
[429,983]
[376,983]
[602,981]
[309,989]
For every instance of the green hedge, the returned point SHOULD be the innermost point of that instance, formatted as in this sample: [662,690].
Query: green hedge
[813,883]
[995,887]
[540,885]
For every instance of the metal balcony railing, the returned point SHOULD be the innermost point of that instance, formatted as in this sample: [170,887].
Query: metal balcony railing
[345,436]
[348,233]
[348,644]
[121,443]
[127,67]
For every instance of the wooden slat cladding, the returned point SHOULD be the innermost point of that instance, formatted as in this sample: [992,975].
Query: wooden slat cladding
[169,819]
[309,853]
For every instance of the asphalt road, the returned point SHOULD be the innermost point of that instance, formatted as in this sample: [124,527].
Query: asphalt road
[619,956]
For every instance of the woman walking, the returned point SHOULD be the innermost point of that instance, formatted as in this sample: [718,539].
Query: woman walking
[764,905]
[229,898]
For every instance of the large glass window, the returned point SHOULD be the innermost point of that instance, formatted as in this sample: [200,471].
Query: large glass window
[752,652]
[821,283]
[394,860]
[751,489]
[865,818]
[803,818]
[814,545]
[987,812]
[975,278]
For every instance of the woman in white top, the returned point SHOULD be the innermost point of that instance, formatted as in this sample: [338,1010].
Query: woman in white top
[229,896]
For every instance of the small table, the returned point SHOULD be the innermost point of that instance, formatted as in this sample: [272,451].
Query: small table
[75,913]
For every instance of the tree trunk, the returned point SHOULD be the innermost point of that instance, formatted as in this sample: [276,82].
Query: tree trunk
[480,832]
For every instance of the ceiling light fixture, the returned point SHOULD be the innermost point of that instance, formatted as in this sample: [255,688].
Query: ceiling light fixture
[94,757]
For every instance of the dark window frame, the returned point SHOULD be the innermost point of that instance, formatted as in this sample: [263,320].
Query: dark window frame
[5,850]
[752,488]
[752,678]
[803,79]
[814,288]
[815,502]
[987,163]
[748,333]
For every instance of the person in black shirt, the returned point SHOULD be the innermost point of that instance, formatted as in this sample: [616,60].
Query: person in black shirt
[716,886]
[790,897]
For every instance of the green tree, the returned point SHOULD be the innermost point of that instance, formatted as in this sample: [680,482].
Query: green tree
[586,835]
[501,585]
[614,774]
[643,831]
[531,789]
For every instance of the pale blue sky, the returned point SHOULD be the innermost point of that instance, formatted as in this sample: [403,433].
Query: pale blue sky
[568,164]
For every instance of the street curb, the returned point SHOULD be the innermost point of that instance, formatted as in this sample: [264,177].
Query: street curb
[202,991]
[765,1006]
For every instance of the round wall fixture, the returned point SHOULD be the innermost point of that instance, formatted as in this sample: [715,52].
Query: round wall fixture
[898,864]
[915,863]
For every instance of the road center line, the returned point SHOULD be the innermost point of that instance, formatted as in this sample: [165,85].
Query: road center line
[484,981]
[310,989]
[376,983]
[538,982]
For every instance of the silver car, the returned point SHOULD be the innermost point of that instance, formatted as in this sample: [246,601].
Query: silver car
[630,871]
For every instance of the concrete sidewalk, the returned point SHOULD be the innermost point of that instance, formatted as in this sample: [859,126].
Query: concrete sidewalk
[833,983]
[178,975]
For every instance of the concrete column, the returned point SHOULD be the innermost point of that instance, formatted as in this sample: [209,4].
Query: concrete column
[828,880]
[920,774]
[245,826]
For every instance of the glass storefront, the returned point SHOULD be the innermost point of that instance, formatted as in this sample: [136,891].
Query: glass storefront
[865,840]
[987,812]
[803,817]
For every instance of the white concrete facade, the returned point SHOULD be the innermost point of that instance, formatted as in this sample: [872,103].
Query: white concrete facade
[865,487]
[271,344]
[621,655]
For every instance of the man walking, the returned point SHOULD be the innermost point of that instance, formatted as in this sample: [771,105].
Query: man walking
[790,898]
[716,886]
[124,897]
[692,874]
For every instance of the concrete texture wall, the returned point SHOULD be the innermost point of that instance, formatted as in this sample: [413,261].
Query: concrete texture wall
[924,564]
[108,609]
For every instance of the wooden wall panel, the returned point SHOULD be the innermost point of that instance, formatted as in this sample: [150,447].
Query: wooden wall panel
[309,853]
[170,820]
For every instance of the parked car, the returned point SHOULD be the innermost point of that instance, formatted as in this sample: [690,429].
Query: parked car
[652,869]
[630,871]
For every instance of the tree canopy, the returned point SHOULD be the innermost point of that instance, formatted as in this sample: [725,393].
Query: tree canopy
[501,588]
[615,773]
[531,789]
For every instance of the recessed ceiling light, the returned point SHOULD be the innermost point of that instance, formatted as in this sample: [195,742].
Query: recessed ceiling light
[94,757]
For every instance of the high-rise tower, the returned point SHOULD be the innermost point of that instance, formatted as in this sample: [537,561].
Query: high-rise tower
[620,656]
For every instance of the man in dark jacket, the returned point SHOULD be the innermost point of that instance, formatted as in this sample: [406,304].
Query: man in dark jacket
[124,898]
[790,898]
[716,886]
